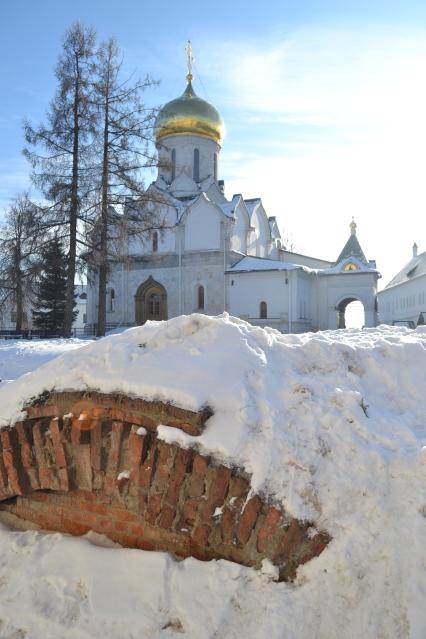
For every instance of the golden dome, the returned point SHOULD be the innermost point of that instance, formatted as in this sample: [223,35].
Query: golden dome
[189,115]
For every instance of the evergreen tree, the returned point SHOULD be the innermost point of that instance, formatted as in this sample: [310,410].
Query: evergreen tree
[50,300]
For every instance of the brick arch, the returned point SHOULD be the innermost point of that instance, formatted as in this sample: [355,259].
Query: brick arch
[87,461]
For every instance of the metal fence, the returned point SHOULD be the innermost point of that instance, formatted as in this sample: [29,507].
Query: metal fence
[80,332]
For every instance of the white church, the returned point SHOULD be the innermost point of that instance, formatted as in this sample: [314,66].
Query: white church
[220,255]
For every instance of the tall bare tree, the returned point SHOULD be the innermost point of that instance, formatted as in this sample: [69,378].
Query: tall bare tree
[60,149]
[20,240]
[124,135]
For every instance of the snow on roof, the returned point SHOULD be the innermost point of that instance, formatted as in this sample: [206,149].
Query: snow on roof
[251,263]
[252,203]
[228,208]
[330,424]
[338,268]
[414,268]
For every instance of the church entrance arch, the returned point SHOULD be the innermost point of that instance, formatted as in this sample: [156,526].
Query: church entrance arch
[150,302]
[350,313]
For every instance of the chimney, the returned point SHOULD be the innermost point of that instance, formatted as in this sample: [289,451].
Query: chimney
[415,247]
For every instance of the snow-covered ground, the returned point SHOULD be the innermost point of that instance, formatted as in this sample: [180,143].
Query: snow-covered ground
[331,424]
[22,356]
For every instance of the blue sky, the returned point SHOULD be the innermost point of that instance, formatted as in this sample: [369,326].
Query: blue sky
[324,103]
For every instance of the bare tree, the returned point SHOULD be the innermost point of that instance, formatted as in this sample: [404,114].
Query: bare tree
[124,152]
[20,240]
[62,168]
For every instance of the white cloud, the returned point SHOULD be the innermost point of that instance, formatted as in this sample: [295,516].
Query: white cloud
[360,95]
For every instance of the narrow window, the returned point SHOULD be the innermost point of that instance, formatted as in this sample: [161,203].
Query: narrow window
[173,164]
[154,304]
[112,301]
[196,173]
[201,297]
[215,166]
[155,242]
[263,310]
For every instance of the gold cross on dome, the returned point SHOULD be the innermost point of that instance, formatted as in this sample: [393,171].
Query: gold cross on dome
[190,57]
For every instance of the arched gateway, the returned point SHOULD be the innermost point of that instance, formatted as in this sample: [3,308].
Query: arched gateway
[341,311]
[150,302]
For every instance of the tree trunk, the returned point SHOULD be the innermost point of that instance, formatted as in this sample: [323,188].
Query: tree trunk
[103,248]
[19,284]
[19,302]
[69,304]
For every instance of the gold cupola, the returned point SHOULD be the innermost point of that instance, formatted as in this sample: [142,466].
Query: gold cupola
[189,114]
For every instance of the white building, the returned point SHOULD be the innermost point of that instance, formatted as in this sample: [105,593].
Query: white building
[8,313]
[403,301]
[218,254]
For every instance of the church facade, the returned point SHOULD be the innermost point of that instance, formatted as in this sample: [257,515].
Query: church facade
[213,254]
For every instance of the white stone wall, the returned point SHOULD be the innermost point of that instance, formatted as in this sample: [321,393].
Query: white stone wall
[303,260]
[248,290]
[142,244]
[262,233]
[239,229]
[180,281]
[403,302]
[203,227]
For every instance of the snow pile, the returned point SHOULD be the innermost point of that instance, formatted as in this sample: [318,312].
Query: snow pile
[332,425]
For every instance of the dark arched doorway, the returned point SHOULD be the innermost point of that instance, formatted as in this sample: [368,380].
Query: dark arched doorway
[150,302]
[350,313]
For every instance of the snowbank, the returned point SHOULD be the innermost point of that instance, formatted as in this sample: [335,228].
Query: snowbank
[332,424]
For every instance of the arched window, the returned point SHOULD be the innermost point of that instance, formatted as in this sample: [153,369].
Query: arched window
[263,310]
[196,172]
[173,164]
[200,297]
[112,300]
[215,166]
[155,242]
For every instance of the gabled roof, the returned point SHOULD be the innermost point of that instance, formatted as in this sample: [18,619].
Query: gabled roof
[251,204]
[414,268]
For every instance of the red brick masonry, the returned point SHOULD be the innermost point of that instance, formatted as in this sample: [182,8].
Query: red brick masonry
[97,469]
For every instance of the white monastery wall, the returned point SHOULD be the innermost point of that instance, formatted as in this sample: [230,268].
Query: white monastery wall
[203,227]
[403,301]
[248,290]
[302,299]
[181,284]
[239,230]
[262,233]
[303,260]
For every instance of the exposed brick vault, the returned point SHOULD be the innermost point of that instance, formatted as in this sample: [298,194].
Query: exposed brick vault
[81,461]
